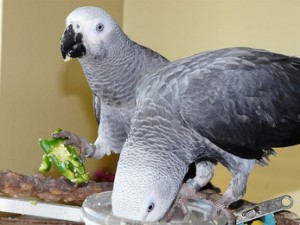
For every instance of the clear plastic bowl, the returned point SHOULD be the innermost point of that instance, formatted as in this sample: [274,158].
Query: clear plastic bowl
[96,209]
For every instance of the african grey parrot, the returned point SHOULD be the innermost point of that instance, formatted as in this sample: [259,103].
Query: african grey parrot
[229,106]
[113,65]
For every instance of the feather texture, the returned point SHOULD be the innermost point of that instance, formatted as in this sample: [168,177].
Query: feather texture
[113,65]
[229,106]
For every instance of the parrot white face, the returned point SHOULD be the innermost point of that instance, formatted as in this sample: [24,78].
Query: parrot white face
[89,32]
[145,185]
[143,200]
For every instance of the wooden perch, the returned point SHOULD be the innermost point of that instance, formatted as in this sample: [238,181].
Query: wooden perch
[48,188]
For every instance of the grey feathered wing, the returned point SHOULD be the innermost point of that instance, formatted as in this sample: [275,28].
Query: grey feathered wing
[243,100]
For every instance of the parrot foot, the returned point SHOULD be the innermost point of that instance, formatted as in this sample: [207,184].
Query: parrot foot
[86,149]
[221,209]
[187,191]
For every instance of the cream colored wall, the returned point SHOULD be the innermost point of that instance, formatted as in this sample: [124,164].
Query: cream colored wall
[179,28]
[39,92]
[1,6]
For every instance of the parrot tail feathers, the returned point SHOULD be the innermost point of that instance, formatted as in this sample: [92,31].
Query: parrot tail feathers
[264,161]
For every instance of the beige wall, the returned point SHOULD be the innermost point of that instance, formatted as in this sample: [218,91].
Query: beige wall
[39,92]
[179,28]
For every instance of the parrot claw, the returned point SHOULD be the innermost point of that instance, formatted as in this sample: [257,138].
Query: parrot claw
[187,191]
[220,209]
[86,149]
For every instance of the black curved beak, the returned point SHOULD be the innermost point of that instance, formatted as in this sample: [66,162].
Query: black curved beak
[71,44]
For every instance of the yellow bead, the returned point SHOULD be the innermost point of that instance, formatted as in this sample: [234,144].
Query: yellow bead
[257,222]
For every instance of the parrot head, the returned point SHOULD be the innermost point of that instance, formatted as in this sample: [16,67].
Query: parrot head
[145,185]
[89,31]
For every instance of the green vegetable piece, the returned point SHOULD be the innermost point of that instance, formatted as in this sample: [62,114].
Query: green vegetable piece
[46,164]
[33,202]
[65,158]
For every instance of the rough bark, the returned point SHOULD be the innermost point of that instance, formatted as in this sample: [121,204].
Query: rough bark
[47,188]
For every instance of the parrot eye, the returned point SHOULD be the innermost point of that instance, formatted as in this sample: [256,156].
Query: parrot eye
[100,27]
[150,207]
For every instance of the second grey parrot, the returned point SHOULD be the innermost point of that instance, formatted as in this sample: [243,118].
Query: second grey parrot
[113,64]
[229,106]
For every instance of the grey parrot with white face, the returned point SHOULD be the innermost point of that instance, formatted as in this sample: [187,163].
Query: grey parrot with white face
[229,106]
[113,65]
